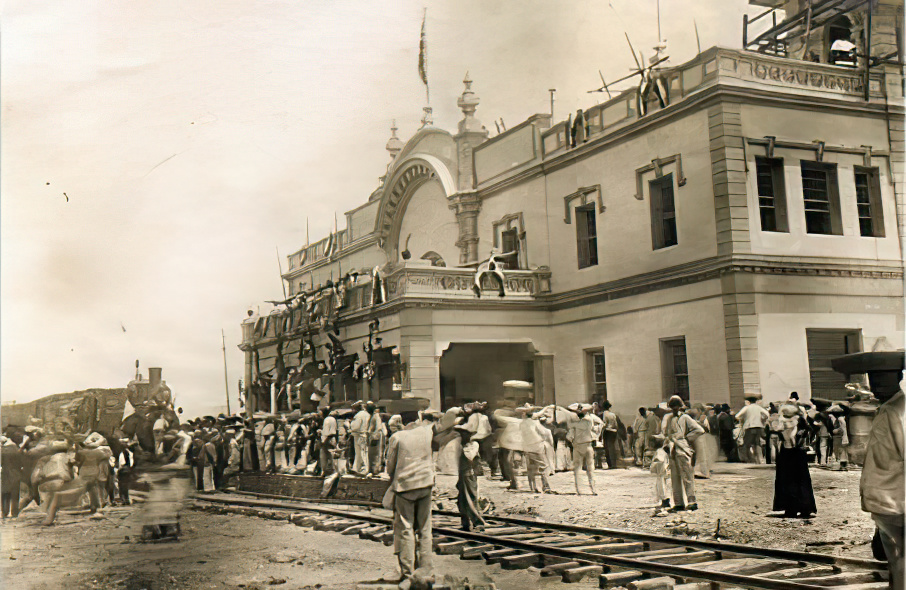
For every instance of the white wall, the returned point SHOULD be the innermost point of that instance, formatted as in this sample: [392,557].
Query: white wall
[431,223]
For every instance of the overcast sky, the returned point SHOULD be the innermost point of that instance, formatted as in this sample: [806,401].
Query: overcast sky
[193,138]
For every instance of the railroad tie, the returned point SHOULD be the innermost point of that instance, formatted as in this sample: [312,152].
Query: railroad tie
[747,566]
[521,561]
[847,579]
[437,540]
[611,548]
[577,573]
[685,558]
[450,547]
[557,569]
[476,551]
[796,572]
[871,586]
[493,556]
[655,553]
[354,529]
[659,583]
[620,578]
[373,533]
[386,538]
[694,586]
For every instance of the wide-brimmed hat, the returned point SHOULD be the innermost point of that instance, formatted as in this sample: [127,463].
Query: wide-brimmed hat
[517,384]
[836,409]
[675,401]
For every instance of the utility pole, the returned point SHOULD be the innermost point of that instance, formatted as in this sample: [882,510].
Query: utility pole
[226,383]
[552,91]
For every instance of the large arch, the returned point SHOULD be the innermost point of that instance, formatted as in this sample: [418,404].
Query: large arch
[408,176]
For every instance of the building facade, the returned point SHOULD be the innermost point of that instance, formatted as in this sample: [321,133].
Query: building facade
[724,228]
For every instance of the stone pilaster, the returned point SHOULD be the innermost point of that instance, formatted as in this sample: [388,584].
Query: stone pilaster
[728,169]
[466,205]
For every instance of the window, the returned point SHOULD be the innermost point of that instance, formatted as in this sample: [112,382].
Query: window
[597,375]
[510,245]
[663,212]
[676,369]
[824,345]
[771,195]
[586,235]
[868,202]
[821,197]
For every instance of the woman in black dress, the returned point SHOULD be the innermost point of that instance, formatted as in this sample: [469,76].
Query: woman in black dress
[793,485]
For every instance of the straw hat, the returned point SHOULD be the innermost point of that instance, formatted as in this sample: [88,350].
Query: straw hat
[527,409]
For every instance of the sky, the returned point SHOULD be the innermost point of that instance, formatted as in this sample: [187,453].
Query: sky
[156,155]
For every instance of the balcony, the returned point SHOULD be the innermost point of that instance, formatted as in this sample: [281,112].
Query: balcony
[455,284]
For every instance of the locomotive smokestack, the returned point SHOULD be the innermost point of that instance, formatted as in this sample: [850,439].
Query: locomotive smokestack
[154,376]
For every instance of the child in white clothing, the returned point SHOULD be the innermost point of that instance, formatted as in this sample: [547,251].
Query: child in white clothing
[659,464]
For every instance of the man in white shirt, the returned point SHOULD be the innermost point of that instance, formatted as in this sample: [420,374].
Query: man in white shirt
[329,433]
[534,434]
[680,430]
[582,436]
[374,435]
[359,431]
[410,464]
[752,420]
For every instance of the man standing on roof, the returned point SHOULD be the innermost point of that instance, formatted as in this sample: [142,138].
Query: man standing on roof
[680,430]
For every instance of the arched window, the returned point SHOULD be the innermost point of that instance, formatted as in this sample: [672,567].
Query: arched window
[840,44]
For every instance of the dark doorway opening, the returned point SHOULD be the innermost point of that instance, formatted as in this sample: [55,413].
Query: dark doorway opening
[476,371]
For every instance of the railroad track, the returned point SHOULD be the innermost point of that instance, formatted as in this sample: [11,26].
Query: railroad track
[637,560]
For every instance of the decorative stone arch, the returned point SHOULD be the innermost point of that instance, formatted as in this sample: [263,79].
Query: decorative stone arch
[410,174]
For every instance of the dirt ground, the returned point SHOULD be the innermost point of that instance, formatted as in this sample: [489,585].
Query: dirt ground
[739,495]
[222,551]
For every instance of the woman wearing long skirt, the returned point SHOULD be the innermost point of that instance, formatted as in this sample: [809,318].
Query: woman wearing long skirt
[793,485]
[703,456]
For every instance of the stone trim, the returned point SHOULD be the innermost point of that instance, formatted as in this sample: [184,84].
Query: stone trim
[657,166]
[582,195]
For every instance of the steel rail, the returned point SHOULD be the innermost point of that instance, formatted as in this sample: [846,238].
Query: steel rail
[680,571]
[727,547]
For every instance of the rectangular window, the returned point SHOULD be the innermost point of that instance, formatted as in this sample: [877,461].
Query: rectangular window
[586,235]
[676,368]
[509,241]
[771,194]
[824,345]
[821,197]
[597,375]
[663,212]
[868,202]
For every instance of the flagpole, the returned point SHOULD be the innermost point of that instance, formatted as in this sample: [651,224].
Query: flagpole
[280,268]
[425,35]
[226,382]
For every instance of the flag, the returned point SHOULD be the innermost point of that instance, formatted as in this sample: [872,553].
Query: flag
[423,53]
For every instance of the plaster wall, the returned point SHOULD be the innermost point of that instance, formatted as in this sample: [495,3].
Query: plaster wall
[624,229]
[361,221]
[526,198]
[782,345]
[632,351]
[805,126]
[431,223]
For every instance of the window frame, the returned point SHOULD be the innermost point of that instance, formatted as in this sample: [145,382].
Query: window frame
[668,368]
[659,218]
[875,205]
[778,198]
[591,382]
[585,219]
[832,192]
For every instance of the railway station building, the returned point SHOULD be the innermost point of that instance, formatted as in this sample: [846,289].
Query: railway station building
[724,228]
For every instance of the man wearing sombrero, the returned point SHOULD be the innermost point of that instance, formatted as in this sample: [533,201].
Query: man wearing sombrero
[680,430]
